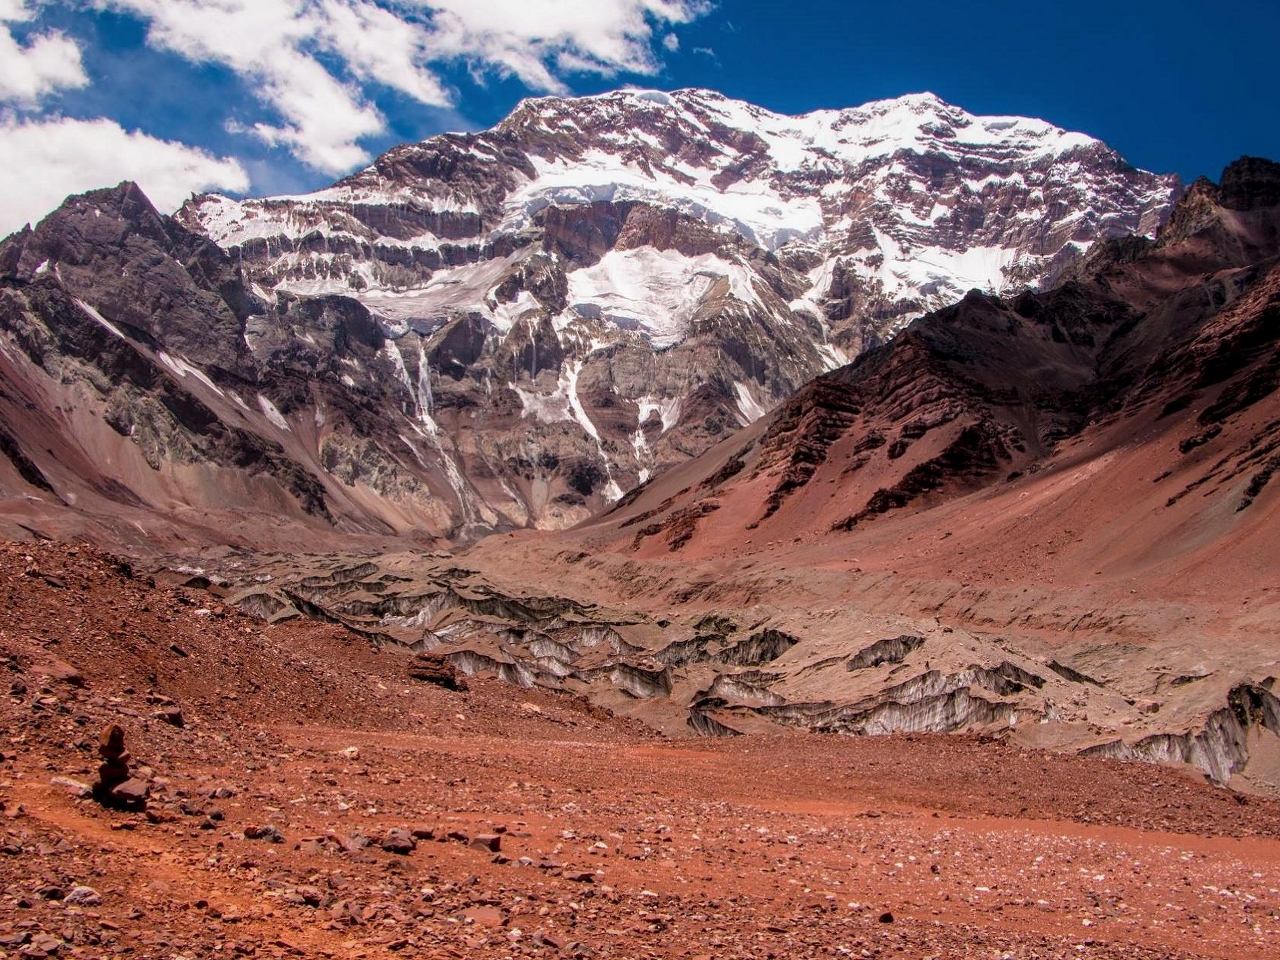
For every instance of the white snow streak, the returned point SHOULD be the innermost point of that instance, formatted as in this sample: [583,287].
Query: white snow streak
[575,405]
[272,412]
[182,368]
[749,408]
[99,318]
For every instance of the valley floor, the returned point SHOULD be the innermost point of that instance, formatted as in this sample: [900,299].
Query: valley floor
[610,841]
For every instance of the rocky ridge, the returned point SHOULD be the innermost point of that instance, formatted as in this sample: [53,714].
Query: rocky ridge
[507,329]
[512,328]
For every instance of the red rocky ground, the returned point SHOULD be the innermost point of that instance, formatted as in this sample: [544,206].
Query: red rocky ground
[543,826]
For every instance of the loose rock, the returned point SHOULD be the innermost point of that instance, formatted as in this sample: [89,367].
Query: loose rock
[83,897]
[398,841]
[269,832]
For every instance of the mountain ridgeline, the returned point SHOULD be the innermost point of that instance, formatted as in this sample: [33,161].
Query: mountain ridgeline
[484,332]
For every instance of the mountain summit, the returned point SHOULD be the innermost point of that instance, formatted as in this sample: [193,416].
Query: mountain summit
[511,328]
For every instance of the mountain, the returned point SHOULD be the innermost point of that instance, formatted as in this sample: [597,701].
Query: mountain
[1172,337]
[1048,516]
[509,329]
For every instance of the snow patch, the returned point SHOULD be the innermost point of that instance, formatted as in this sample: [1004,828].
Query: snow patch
[326,213]
[668,410]
[392,350]
[832,356]
[653,292]
[183,369]
[505,315]
[749,408]
[272,412]
[545,408]
[461,289]
[753,207]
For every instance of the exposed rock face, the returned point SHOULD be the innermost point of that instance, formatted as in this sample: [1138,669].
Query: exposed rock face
[760,668]
[437,670]
[490,331]
[161,404]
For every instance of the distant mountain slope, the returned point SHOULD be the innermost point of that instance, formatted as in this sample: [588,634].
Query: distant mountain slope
[644,272]
[1164,349]
[506,329]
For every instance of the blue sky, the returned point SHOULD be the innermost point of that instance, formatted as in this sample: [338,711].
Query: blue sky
[272,96]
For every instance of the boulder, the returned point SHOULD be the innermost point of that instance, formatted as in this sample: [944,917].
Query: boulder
[83,897]
[76,788]
[59,671]
[170,715]
[268,832]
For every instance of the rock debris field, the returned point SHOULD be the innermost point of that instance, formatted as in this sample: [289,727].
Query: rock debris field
[307,796]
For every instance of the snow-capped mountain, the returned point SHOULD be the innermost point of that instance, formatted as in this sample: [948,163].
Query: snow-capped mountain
[519,325]
[655,269]
[918,199]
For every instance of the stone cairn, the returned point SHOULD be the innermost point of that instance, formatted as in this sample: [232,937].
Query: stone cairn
[115,786]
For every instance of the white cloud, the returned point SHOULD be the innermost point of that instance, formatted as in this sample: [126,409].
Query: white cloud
[322,118]
[532,39]
[47,159]
[312,65]
[47,62]
[310,61]
[378,45]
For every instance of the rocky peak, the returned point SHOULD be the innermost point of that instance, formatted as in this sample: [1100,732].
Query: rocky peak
[1195,207]
[84,227]
[1250,183]
[113,249]
[1231,218]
